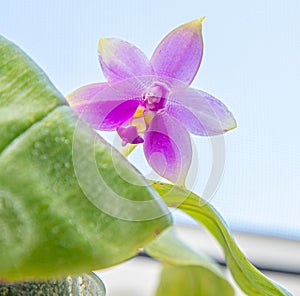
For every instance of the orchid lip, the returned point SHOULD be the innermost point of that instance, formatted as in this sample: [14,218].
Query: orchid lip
[129,135]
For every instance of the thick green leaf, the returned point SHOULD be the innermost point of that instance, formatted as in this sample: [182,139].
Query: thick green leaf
[184,271]
[65,206]
[250,280]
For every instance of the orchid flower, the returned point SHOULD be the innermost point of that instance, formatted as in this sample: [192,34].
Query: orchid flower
[150,101]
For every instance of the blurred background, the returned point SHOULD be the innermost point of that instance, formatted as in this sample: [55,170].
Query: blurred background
[251,62]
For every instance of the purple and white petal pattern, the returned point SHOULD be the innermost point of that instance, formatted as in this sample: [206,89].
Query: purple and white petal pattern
[200,112]
[102,106]
[168,148]
[121,60]
[180,53]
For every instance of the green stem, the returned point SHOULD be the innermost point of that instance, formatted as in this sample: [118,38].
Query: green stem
[125,151]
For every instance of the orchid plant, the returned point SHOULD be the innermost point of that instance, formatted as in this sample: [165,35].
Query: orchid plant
[50,226]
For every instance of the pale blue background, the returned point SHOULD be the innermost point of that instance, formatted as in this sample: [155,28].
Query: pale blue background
[251,62]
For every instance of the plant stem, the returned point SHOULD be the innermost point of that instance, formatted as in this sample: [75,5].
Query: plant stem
[125,151]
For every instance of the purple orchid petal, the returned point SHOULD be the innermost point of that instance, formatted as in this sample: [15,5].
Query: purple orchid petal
[121,60]
[201,113]
[103,106]
[168,148]
[179,54]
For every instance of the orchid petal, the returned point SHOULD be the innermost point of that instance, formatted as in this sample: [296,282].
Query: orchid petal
[201,113]
[179,54]
[103,106]
[121,60]
[167,148]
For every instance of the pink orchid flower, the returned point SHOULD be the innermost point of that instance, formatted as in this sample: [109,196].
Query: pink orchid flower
[150,102]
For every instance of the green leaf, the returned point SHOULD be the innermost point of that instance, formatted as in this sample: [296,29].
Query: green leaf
[26,94]
[250,280]
[69,203]
[184,271]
